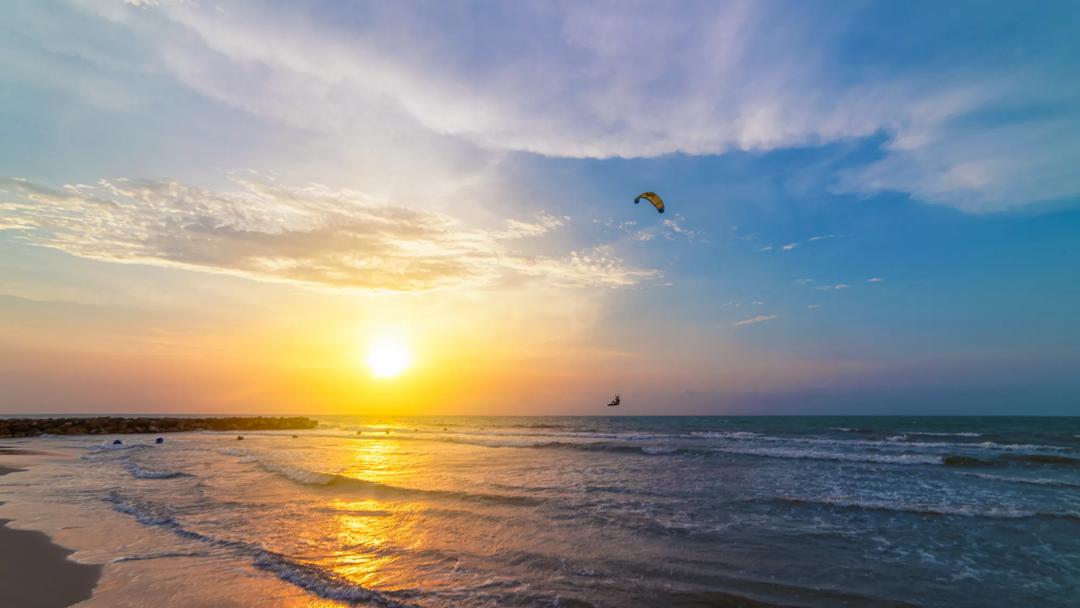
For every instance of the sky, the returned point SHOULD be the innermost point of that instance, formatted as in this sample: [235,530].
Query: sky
[872,207]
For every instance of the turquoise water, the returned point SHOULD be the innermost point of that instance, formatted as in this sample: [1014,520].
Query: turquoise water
[621,511]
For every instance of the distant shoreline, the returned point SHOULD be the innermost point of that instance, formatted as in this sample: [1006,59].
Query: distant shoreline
[115,425]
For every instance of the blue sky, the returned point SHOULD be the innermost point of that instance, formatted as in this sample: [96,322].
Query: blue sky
[872,207]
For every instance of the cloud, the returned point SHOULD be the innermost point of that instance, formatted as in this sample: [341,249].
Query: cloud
[311,234]
[822,237]
[875,280]
[962,123]
[676,229]
[790,246]
[752,320]
[835,287]
[813,306]
[804,281]
[542,224]
[766,248]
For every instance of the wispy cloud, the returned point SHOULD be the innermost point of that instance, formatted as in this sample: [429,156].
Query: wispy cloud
[822,237]
[312,234]
[790,246]
[675,228]
[875,280]
[753,320]
[592,90]
[835,287]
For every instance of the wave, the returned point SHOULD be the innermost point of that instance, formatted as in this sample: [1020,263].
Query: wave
[140,473]
[164,555]
[902,440]
[603,441]
[108,447]
[924,509]
[799,454]
[321,582]
[959,460]
[725,435]
[334,480]
[932,434]
[1041,481]
[310,577]
[767,452]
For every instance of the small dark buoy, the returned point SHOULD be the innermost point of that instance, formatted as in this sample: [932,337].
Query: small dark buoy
[295,436]
[159,440]
[239,437]
[359,432]
[117,442]
[444,428]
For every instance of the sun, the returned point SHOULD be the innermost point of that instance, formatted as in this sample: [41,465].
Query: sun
[388,357]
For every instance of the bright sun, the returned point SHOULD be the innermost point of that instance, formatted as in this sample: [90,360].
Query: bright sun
[388,357]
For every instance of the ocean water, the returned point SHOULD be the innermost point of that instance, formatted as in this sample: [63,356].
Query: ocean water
[561,511]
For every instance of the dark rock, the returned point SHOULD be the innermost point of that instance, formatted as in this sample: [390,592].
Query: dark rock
[32,427]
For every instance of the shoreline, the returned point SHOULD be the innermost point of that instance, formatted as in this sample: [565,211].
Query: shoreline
[35,572]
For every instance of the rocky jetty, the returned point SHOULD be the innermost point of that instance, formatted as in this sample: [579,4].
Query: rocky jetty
[32,427]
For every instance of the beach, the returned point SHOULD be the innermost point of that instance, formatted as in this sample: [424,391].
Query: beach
[809,512]
[35,572]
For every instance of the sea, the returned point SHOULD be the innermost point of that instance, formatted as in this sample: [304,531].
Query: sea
[571,512]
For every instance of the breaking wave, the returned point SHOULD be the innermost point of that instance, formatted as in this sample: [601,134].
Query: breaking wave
[310,577]
[334,480]
[1041,481]
[957,460]
[139,472]
[924,509]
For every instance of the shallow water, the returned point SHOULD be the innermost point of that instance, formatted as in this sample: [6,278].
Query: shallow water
[668,511]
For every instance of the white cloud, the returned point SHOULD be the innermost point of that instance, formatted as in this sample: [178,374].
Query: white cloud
[541,224]
[875,280]
[766,248]
[813,306]
[430,84]
[790,246]
[822,237]
[752,320]
[675,229]
[312,234]
[835,287]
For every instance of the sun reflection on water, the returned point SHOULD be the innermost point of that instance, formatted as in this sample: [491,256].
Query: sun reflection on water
[370,534]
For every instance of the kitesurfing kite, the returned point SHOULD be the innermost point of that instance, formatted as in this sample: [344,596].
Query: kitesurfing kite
[653,198]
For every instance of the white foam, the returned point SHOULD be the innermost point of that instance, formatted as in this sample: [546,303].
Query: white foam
[802,454]
[1040,481]
[140,473]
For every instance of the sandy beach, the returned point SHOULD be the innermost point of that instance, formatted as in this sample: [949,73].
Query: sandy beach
[35,572]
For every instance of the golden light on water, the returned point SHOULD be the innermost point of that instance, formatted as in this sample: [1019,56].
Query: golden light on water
[388,357]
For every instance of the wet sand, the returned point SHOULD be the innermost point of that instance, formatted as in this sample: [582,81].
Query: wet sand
[35,572]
